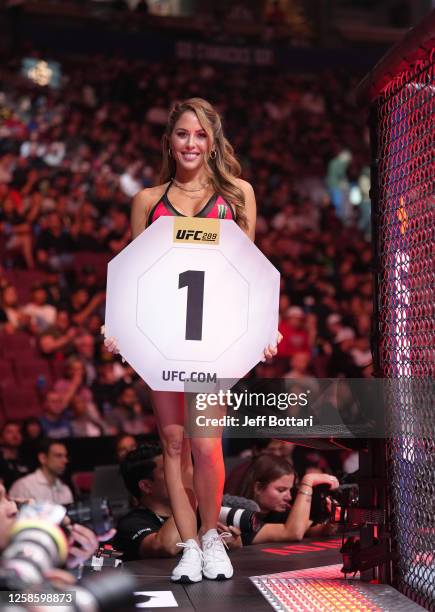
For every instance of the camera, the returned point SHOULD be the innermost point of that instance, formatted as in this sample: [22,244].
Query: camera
[95,514]
[38,544]
[327,506]
[334,506]
[246,520]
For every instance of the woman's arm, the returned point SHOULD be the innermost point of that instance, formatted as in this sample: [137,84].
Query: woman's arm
[251,217]
[298,521]
[139,212]
[250,207]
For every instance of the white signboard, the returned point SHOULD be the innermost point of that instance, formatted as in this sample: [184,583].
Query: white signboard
[191,299]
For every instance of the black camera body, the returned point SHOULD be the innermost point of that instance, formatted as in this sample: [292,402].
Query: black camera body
[333,506]
[38,543]
[95,514]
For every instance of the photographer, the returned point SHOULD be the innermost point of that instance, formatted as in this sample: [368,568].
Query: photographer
[270,482]
[82,541]
[149,529]
[36,543]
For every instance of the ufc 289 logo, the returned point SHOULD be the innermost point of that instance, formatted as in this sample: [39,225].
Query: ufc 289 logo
[190,235]
[192,230]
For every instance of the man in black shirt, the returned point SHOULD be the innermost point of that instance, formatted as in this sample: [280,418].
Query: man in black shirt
[149,529]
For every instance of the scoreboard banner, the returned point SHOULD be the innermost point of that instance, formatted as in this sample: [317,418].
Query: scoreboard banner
[192,300]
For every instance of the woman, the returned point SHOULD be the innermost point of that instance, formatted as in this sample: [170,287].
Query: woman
[199,177]
[11,316]
[286,518]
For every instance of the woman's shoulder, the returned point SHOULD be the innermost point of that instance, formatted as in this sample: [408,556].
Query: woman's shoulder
[142,205]
[245,186]
[150,195]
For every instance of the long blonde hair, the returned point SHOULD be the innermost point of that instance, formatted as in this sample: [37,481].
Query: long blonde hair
[223,169]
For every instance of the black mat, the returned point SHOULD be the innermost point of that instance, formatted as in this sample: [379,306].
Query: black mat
[238,593]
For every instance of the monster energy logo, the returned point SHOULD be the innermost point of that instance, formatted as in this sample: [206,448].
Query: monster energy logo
[222,211]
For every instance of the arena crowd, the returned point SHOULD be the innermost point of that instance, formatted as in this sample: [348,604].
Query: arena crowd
[71,159]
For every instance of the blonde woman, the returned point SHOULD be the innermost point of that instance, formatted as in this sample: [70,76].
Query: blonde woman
[199,178]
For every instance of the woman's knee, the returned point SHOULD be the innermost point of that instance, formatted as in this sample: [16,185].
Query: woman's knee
[206,451]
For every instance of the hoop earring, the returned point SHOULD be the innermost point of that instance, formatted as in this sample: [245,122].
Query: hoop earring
[211,154]
[169,152]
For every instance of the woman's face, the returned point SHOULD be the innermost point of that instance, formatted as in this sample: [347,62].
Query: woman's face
[189,142]
[10,297]
[275,497]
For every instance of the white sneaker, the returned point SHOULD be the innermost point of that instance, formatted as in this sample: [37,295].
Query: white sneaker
[216,564]
[189,568]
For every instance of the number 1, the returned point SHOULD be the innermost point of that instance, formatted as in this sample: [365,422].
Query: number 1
[194,281]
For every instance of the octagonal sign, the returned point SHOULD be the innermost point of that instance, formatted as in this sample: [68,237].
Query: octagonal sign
[191,299]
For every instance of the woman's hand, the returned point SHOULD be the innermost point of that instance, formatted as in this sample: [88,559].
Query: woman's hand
[270,351]
[111,343]
[313,479]
[235,541]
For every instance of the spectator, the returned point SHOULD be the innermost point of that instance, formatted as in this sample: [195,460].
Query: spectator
[89,280]
[82,424]
[44,484]
[54,421]
[130,182]
[42,315]
[83,306]
[12,464]
[334,324]
[342,362]
[17,231]
[128,415]
[299,371]
[12,317]
[118,231]
[54,244]
[295,335]
[85,235]
[125,443]
[86,416]
[338,182]
[85,349]
[33,436]
[107,386]
[57,341]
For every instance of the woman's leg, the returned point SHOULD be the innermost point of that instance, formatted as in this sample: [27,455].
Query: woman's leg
[208,479]
[209,476]
[169,411]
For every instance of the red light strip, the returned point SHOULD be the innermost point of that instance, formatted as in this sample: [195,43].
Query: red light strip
[303,548]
